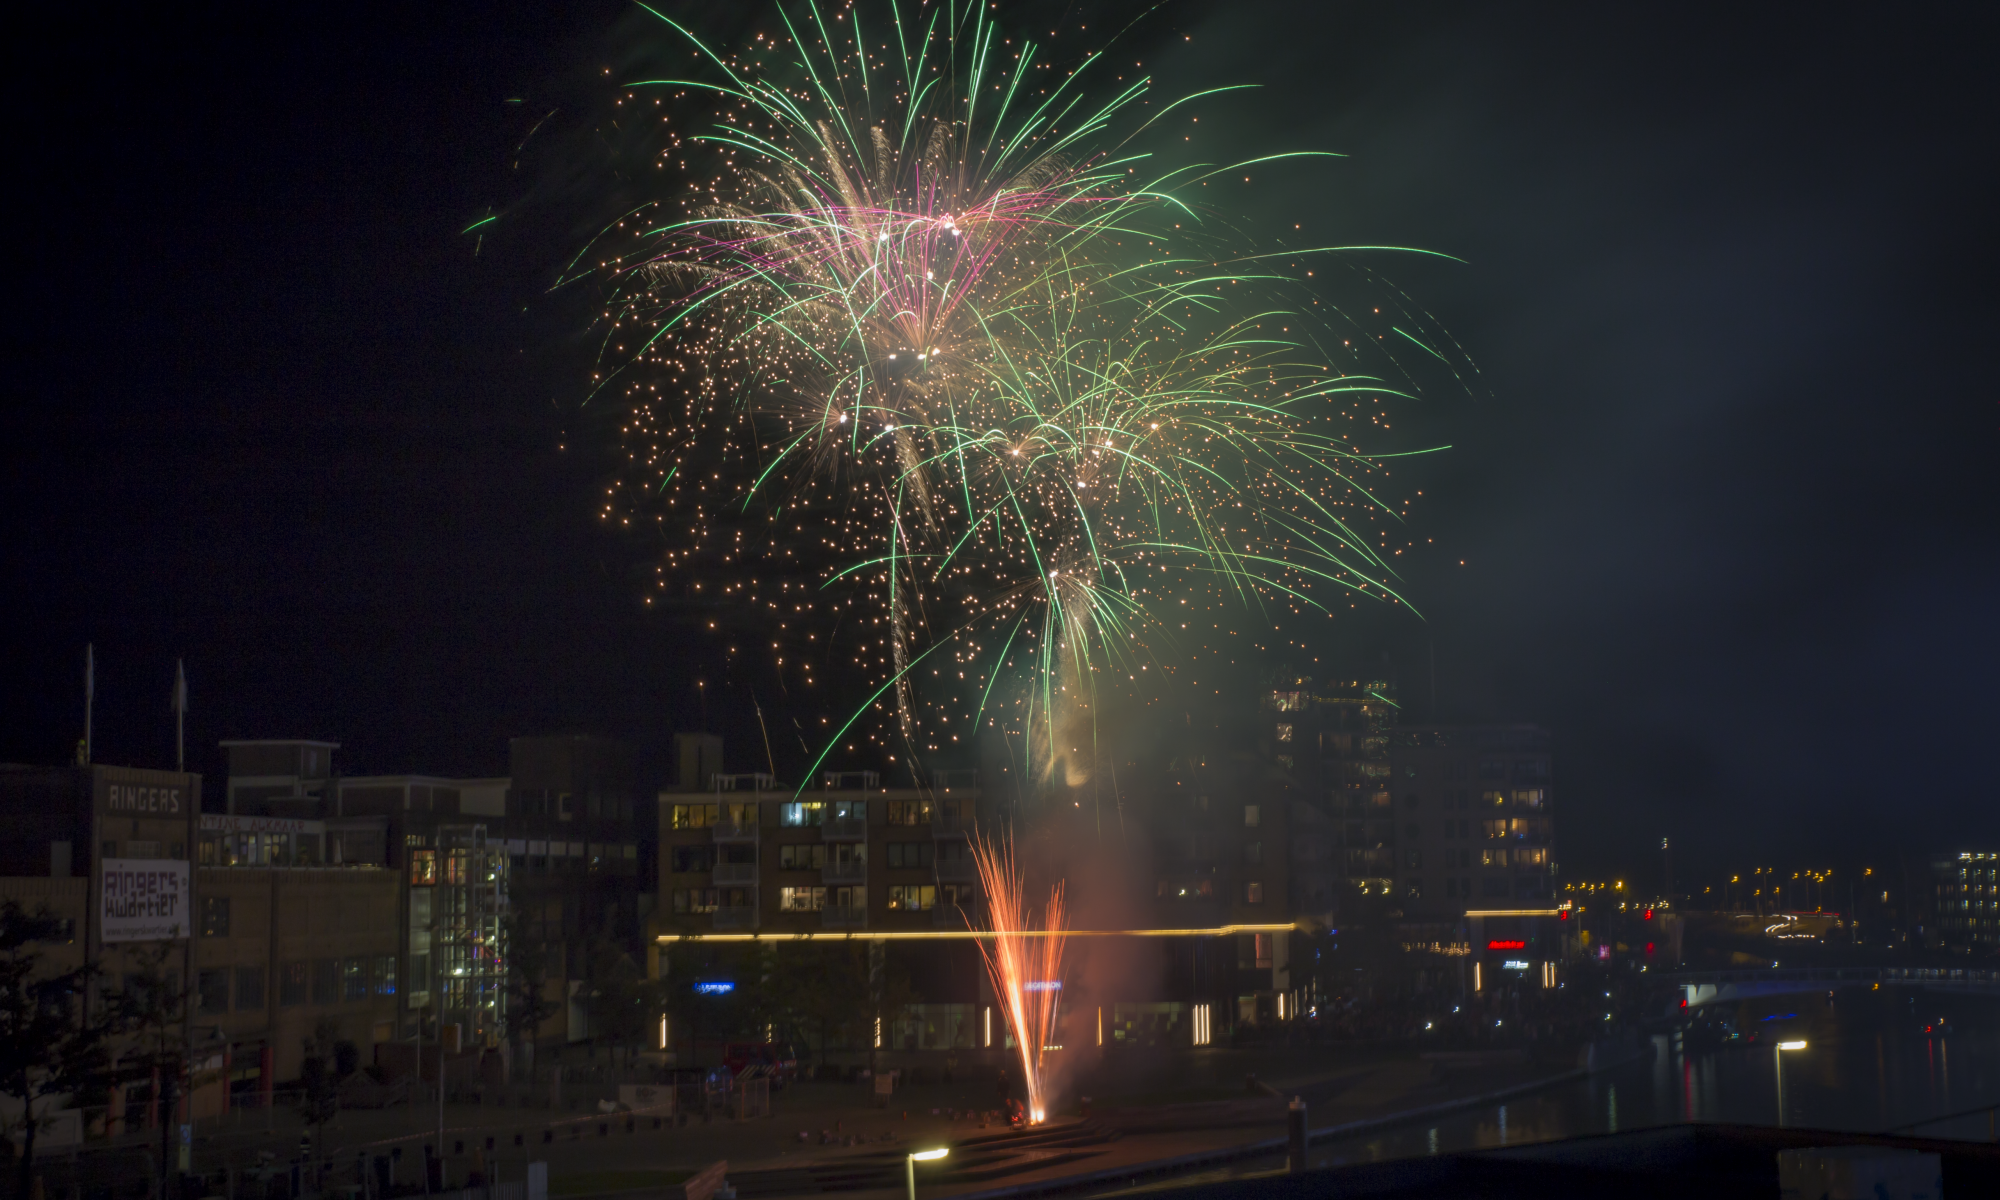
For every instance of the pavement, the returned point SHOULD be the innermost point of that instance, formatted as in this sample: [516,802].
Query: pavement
[1145,1108]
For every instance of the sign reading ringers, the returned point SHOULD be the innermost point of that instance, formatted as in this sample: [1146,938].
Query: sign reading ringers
[144,900]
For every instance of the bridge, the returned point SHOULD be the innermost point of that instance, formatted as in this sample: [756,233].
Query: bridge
[1724,987]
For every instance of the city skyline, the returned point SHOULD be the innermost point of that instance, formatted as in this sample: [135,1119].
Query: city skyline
[329,474]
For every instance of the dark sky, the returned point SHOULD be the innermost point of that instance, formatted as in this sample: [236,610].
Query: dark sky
[1724,490]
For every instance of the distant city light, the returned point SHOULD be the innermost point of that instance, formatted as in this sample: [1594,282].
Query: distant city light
[719,987]
[1042,985]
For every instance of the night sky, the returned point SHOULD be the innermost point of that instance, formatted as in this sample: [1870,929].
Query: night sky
[1724,490]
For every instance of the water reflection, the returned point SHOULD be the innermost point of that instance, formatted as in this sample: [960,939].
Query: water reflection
[1873,1061]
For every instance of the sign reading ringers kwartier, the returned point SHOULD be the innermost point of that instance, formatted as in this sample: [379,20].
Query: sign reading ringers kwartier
[144,900]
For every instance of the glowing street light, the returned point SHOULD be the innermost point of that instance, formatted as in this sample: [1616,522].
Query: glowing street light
[915,1157]
[1778,1069]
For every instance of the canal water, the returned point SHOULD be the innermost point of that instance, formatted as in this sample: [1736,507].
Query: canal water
[1873,1061]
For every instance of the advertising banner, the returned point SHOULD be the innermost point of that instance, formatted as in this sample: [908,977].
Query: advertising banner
[144,900]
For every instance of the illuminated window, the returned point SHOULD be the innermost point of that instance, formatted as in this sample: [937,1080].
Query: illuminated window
[802,813]
[912,897]
[1492,858]
[696,816]
[215,916]
[801,899]
[423,868]
[1285,732]
[1253,893]
[353,979]
[1530,797]
[1250,816]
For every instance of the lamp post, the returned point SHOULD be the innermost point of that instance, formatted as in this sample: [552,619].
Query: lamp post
[910,1165]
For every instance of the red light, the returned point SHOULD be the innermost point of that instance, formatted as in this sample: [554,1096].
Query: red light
[1507,945]
[1684,1002]
[1564,916]
[1649,947]
[1649,914]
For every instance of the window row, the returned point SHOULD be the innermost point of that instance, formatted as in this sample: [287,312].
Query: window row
[814,856]
[301,981]
[807,813]
[1519,856]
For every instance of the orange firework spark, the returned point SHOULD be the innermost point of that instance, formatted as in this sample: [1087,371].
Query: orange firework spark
[1026,970]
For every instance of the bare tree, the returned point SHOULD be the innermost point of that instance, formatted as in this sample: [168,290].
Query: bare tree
[151,1012]
[49,1045]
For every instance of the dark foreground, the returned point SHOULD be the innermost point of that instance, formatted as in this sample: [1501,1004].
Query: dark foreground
[1715,1162]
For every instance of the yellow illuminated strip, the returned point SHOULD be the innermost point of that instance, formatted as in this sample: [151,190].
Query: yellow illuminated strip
[1513,912]
[927,935]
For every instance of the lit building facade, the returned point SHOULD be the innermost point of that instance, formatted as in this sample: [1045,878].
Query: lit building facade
[1966,900]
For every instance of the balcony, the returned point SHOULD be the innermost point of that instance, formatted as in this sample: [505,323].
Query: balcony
[843,917]
[844,829]
[735,874]
[735,832]
[948,825]
[741,917]
[855,871]
[957,871]
[951,916]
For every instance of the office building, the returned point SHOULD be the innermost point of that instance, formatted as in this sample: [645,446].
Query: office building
[549,852]
[273,941]
[1965,889]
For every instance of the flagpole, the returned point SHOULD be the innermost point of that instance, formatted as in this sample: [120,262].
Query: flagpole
[180,714]
[89,694]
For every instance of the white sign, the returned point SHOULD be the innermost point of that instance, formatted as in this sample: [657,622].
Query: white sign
[226,823]
[144,900]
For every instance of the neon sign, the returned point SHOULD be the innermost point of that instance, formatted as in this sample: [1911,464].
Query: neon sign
[1509,944]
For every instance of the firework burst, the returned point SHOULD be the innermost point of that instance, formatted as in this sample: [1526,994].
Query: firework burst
[956,396]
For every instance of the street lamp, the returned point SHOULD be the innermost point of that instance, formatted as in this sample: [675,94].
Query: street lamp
[910,1165]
